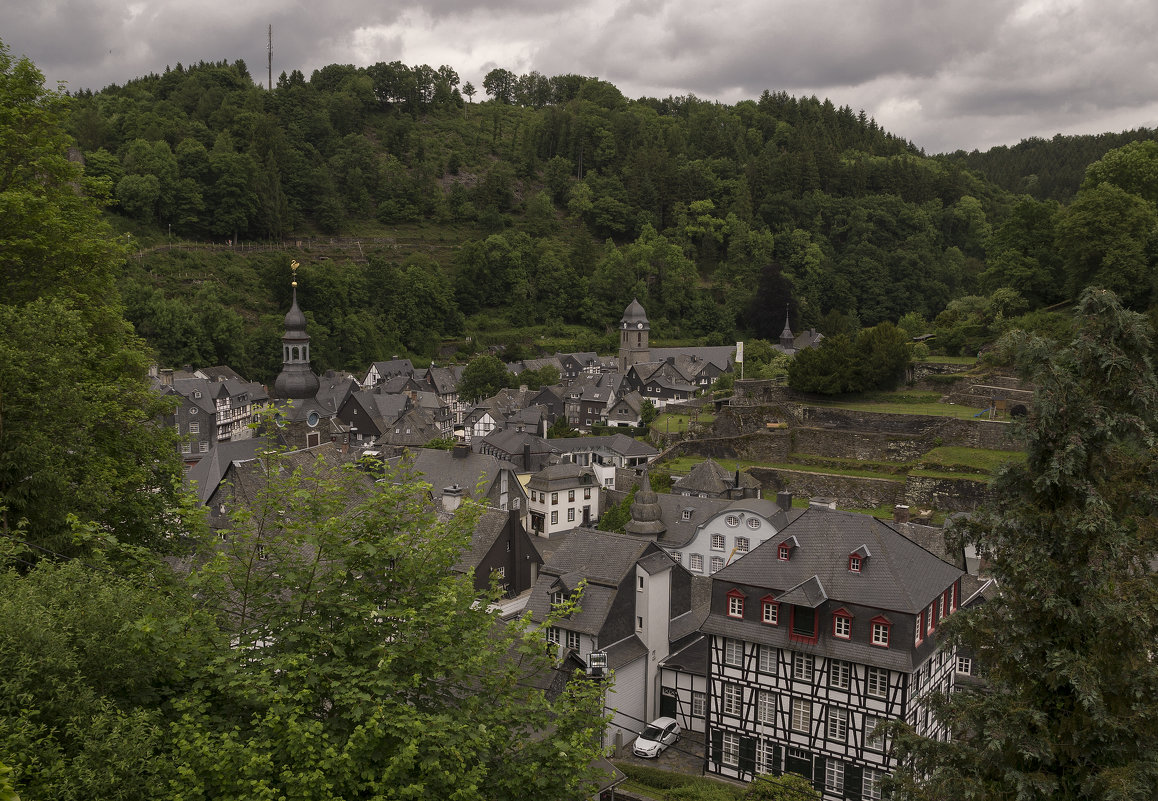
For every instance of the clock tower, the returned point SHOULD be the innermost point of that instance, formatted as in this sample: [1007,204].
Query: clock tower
[633,333]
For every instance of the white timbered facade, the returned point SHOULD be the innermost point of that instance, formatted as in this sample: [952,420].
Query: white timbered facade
[817,636]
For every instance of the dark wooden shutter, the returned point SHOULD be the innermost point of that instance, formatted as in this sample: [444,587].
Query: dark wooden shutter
[748,755]
[818,773]
[717,747]
[777,767]
[853,780]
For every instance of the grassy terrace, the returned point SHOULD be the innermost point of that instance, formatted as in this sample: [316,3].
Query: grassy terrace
[901,402]
[677,422]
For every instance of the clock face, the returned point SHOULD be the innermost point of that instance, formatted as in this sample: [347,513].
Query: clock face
[639,325]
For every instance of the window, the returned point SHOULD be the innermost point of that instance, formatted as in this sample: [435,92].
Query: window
[854,563]
[696,562]
[837,724]
[733,652]
[732,521]
[941,608]
[735,604]
[782,553]
[766,708]
[573,640]
[717,563]
[639,583]
[878,682]
[731,749]
[557,598]
[554,518]
[570,495]
[717,542]
[733,699]
[952,597]
[842,625]
[515,503]
[501,571]
[194,428]
[918,635]
[767,660]
[639,623]
[678,556]
[964,665]
[686,514]
[587,493]
[742,544]
[931,622]
[802,666]
[839,674]
[699,704]
[771,612]
[801,714]
[876,743]
[834,776]
[553,635]
[554,498]
[203,446]
[192,410]
[570,515]
[881,632]
[871,789]
[186,447]
[765,750]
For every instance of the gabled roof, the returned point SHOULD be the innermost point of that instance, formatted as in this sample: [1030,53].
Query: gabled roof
[565,475]
[709,477]
[443,379]
[443,469]
[205,476]
[719,355]
[901,576]
[620,444]
[510,441]
[490,526]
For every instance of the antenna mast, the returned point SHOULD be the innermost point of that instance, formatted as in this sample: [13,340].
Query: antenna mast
[270,54]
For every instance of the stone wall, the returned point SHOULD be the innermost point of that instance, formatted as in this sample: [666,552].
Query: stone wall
[945,494]
[864,445]
[761,446]
[845,490]
[994,434]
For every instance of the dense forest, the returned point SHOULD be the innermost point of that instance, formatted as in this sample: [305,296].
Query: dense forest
[422,215]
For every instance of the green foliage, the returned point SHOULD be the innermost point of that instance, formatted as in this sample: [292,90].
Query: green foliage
[647,412]
[617,516]
[1070,540]
[787,787]
[670,785]
[875,360]
[482,378]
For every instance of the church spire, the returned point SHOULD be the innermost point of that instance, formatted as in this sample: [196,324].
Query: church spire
[296,379]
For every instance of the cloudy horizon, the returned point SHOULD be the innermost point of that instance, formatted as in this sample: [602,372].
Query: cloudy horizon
[942,75]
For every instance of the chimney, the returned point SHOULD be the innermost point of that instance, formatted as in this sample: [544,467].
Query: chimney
[166,376]
[452,498]
[527,456]
[900,513]
[784,501]
[461,450]
[822,503]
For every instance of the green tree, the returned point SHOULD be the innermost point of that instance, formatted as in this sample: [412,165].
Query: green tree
[363,667]
[499,83]
[787,787]
[1070,538]
[647,413]
[483,377]
[77,439]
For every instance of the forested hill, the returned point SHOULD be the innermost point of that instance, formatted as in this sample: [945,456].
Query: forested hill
[1047,169]
[549,202]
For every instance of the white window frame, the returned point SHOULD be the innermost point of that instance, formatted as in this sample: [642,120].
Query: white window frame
[766,708]
[194,428]
[876,682]
[842,627]
[696,563]
[766,661]
[686,514]
[839,674]
[718,542]
[732,700]
[965,665]
[770,613]
[881,634]
[833,775]
[734,652]
[554,518]
[730,749]
[717,563]
[553,635]
[735,606]
[801,715]
[699,704]
[743,544]
[871,784]
[837,724]
[731,521]
[765,755]
[870,742]
[573,640]
[803,666]
[571,515]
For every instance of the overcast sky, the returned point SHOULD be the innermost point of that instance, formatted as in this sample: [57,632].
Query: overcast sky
[943,74]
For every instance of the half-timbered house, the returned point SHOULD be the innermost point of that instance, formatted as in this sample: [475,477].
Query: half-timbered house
[815,637]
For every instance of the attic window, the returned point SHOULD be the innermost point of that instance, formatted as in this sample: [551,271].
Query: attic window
[854,563]
[735,604]
[783,553]
[686,514]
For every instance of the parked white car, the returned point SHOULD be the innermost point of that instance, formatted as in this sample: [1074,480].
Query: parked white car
[656,737]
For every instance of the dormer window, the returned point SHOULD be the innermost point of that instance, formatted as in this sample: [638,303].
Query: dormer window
[854,563]
[880,631]
[783,553]
[857,558]
[842,624]
[769,611]
[735,604]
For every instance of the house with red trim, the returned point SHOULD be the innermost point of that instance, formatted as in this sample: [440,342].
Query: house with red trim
[817,635]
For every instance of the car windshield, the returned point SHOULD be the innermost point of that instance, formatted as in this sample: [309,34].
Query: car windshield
[651,732]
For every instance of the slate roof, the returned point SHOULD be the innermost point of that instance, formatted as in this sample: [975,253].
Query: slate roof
[625,652]
[900,575]
[691,658]
[487,530]
[563,475]
[634,313]
[442,469]
[616,443]
[444,380]
[708,476]
[720,355]
[205,476]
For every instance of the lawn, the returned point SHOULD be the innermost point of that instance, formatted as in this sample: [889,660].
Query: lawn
[966,360]
[660,784]
[677,422]
[979,460]
[904,407]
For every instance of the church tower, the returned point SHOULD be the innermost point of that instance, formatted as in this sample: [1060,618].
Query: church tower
[646,513]
[296,379]
[634,330]
[787,338]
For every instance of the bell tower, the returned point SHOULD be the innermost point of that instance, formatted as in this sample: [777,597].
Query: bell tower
[296,379]
[634,330]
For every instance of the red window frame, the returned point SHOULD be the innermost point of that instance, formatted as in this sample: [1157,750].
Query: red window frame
[736,599]
[766,603]
[794,636]
[783,552]
[842,614]
[854,563]
[887,625]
